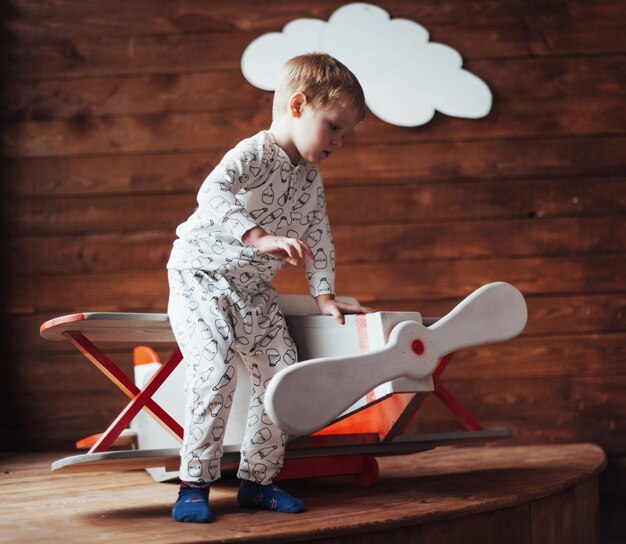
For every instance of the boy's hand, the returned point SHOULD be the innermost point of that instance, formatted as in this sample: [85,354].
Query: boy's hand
[329,306]
[281,247]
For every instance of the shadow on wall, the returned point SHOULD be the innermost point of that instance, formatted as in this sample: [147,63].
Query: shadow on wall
[9,412]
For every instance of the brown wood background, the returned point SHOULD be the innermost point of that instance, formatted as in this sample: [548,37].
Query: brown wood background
[111,118]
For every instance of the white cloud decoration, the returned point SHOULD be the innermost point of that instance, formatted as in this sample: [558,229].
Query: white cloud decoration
[405,77]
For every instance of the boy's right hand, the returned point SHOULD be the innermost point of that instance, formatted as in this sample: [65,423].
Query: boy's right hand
[292,250]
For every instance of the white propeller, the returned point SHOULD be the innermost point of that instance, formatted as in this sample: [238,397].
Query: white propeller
[308,396]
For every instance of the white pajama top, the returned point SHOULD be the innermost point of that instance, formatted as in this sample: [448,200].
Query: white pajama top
[256,184]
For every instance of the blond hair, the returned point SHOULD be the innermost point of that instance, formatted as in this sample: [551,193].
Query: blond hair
[322,79]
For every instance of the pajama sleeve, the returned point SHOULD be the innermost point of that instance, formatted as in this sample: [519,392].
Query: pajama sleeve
[241,167]
[320,271]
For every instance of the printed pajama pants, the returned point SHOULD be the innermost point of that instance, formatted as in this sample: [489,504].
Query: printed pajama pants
[212,316]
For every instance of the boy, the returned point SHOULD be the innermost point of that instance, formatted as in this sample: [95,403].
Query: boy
[263,205]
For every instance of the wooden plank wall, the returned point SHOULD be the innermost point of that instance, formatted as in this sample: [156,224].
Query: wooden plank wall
[111,118]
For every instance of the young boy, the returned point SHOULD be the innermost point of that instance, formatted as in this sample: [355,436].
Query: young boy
[262,206]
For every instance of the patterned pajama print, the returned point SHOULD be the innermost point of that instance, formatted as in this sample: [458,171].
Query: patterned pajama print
[221,300]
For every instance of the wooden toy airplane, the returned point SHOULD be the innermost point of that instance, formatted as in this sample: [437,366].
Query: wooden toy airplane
[357,387]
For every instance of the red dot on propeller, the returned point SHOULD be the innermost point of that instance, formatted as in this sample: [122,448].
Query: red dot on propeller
[418,346]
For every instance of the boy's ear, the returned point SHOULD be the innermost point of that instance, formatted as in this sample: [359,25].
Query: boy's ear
[296,104]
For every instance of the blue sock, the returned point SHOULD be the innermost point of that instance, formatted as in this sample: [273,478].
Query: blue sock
[192,505]
[268,497]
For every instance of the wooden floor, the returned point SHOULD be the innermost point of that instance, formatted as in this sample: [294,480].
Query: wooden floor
[531,494]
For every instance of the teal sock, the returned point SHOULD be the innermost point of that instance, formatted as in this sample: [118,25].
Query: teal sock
[192,505]
[268,497]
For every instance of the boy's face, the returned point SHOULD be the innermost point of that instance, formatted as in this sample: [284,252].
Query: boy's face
[318,132]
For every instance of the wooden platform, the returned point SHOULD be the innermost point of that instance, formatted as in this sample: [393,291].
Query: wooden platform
[530,494]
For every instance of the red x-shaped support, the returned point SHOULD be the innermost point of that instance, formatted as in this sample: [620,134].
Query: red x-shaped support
[140,399]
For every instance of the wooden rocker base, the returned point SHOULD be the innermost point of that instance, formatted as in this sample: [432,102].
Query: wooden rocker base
[305,458]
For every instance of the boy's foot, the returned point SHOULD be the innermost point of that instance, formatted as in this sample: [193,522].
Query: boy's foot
[268,497]
[192,506]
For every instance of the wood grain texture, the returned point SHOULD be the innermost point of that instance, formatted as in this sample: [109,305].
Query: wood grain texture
[87,134]
[367,282]
[489,495]
[111,119]
[514,81]
[567,159]
[114,252]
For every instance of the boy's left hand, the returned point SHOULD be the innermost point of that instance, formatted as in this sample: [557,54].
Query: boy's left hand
[329,306]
